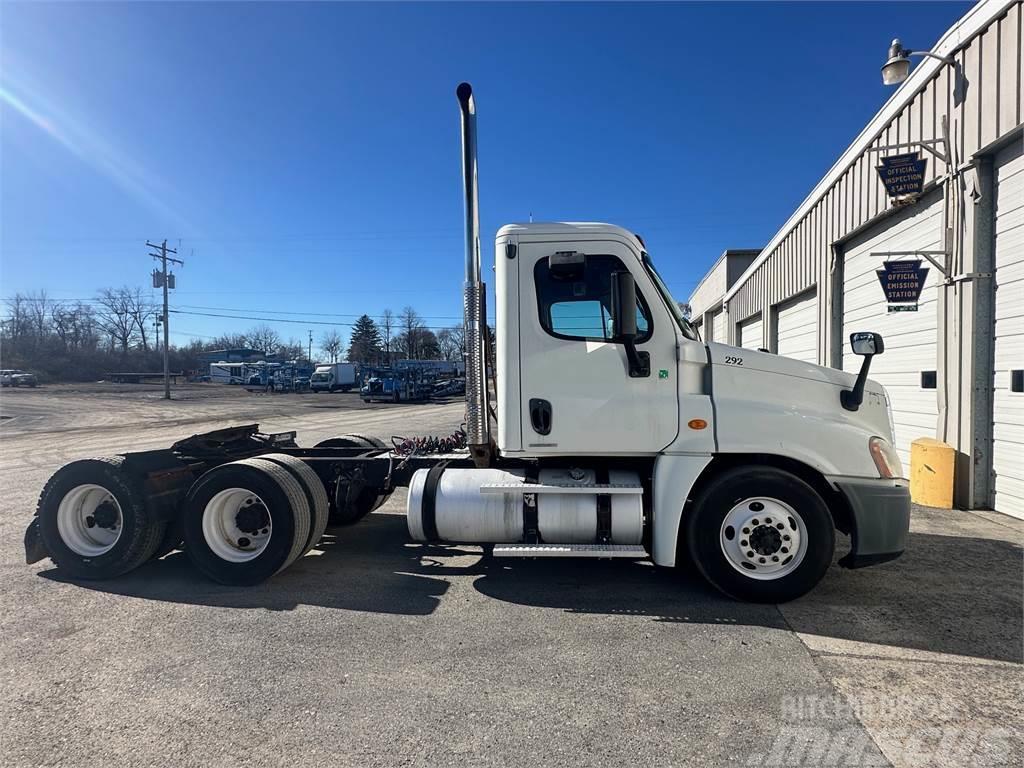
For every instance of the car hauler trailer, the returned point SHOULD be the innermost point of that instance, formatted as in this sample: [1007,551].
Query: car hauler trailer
[619,433]
[396,385]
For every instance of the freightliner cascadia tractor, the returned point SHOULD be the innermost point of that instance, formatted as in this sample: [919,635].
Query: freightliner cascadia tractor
[614,432]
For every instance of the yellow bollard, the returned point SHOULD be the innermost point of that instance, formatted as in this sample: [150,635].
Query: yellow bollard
[931,473]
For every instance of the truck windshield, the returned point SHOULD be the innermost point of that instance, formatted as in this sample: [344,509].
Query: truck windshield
[684,325]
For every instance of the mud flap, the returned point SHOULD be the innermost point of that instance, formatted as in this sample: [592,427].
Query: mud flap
[34,549]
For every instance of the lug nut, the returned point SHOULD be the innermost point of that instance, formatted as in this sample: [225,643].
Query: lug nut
[746,531]
[785,550]
[780,526]
[775,558]
[754,521]
[785,537]
[761,560]
[750,554]
[743,543]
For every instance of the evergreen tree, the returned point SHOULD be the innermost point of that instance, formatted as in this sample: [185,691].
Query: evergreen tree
[364,343]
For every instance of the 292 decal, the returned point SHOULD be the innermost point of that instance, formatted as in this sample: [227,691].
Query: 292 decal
[734,361]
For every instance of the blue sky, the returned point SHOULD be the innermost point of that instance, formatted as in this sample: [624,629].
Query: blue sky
[307,155]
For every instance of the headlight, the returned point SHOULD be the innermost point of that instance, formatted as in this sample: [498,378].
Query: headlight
[887,461]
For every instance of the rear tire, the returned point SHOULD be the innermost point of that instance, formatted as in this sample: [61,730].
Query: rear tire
[344,509]
[94,520]
[760,534]
[316,495]
[246,521]
[173,539]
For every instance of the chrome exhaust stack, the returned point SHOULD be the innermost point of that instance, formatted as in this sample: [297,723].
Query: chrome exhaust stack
[474,293]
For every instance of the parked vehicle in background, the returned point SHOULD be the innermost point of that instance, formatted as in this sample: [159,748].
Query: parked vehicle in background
[16,378]
[228,373]
[396,385]
[333,377]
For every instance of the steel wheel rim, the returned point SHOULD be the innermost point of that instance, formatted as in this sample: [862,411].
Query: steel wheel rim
[234,526]
[89,520]
[763,538]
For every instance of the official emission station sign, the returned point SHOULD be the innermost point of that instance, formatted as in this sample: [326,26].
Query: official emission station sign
[902,282]
[903,175]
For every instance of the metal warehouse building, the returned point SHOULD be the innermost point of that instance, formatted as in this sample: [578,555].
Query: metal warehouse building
[954,368]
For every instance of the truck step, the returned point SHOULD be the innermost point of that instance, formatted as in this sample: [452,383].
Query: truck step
[603,488]
[633,551]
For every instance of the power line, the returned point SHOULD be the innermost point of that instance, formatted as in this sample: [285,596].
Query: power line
[283,320]
[309,314]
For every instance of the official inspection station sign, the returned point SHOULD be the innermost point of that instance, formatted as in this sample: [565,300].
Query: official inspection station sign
[902,282]
[903,175]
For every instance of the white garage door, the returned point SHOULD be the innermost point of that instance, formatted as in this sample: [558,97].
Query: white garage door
[910,337]
[748,333]
[1008,406]
[716,327]
[796,328]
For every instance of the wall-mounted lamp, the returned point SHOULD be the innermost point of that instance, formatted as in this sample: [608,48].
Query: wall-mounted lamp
[897,67]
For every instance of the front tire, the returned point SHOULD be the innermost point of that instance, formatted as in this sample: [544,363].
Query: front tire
[760,534]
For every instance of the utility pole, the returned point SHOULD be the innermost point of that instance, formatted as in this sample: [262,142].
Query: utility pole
[163,258]
[310,356]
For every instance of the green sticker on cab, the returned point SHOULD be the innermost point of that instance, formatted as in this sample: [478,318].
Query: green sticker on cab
[663,373]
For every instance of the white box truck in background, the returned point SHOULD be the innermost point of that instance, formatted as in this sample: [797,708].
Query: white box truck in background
[331,378]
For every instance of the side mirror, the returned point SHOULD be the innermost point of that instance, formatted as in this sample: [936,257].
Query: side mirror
[624,331]
[866,344]
[623,306]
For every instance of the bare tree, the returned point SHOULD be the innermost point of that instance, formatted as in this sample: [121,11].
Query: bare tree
[16,324]
[386,326]
[331,344]
[263,339]
[411,326]
[38,307]
[293,349]
[115,317]
[142,316]
[228,341]
[457,334]
[74,325]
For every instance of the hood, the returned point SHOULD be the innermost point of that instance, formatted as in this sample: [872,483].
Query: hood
[787,366]
[773,404]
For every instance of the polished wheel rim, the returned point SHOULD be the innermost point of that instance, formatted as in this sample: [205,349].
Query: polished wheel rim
[763,538]
[89,520]
[237,525]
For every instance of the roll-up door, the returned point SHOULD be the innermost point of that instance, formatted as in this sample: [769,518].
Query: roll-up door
[1007,404]
[910,337]
[748,333]
[796,328]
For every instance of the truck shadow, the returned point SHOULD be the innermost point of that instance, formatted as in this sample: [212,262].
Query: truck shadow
[955,595]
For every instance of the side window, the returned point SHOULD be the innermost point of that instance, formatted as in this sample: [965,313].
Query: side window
[575,302]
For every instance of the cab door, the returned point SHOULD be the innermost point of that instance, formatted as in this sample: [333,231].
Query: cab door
[577,394]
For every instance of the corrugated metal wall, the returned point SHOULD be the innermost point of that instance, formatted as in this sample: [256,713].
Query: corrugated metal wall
[988,108]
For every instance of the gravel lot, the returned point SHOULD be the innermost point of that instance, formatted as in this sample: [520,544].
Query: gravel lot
[374,651]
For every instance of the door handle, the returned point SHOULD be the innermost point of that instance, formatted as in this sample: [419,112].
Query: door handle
[540,415]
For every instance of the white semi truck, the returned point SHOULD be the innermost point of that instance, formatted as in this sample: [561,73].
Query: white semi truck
[616,433]
[333,377]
